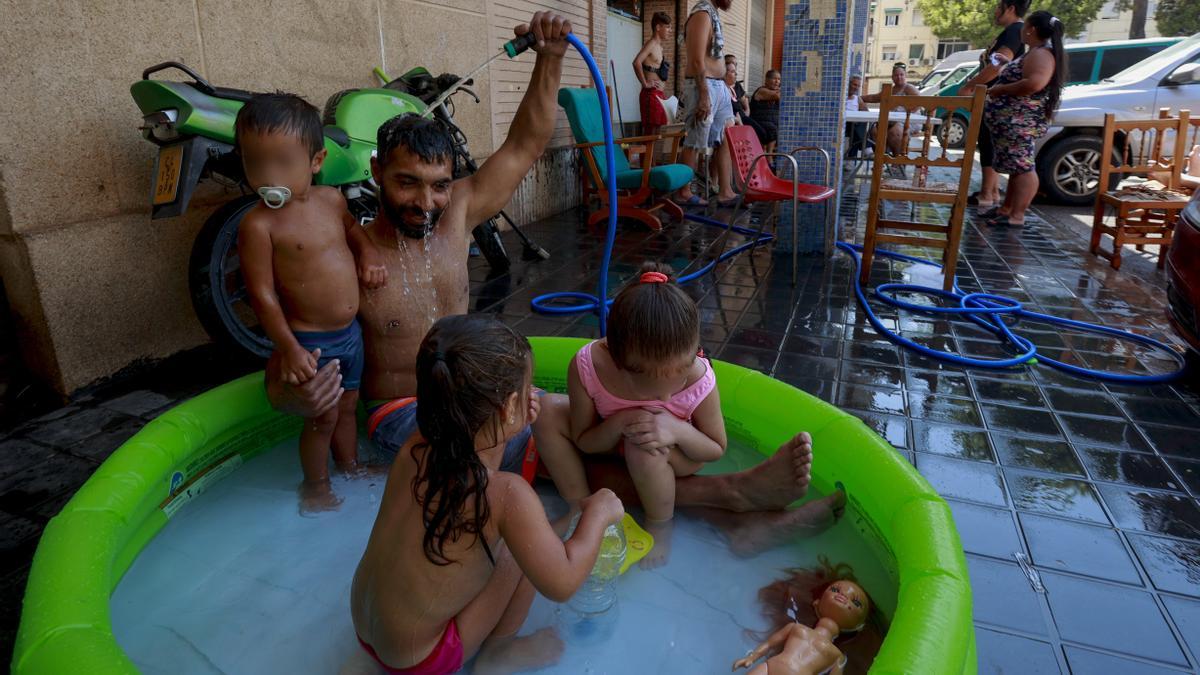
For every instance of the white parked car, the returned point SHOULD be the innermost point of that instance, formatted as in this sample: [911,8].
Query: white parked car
[950,70]
[1068,159]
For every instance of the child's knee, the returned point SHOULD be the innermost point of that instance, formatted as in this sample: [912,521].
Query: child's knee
[325,422]
[639,461]
[554,416]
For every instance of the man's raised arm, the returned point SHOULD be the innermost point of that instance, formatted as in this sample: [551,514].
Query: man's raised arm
[493,185]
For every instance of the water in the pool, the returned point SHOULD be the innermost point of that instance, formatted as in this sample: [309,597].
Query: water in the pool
[239,582]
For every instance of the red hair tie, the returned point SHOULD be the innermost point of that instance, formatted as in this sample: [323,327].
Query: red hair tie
[654,278]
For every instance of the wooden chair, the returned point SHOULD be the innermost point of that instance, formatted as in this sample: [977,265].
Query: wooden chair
[642,191]
[1141,215]
[919,189]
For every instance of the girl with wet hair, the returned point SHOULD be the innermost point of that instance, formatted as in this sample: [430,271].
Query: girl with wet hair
[459,547]
[646,393]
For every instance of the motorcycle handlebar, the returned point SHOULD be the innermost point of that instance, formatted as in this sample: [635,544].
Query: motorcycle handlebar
[203,84]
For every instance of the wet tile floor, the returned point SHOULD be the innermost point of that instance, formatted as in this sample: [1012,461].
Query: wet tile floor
[1090,487]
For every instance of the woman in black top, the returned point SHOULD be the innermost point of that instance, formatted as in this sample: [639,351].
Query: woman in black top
[1006,47]
[764,109]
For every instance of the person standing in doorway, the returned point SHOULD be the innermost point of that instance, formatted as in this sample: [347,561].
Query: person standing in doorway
[704,98]
[1005,48]
[652,70]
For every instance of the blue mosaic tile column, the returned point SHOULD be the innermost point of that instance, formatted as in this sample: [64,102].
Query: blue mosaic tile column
[823,41]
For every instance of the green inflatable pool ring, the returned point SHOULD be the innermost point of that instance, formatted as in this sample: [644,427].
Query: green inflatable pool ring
[86,549]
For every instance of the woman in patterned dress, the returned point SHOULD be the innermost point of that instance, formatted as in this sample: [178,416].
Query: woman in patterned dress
[1019,109]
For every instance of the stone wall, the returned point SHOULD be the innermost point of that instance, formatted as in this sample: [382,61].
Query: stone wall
[93,283]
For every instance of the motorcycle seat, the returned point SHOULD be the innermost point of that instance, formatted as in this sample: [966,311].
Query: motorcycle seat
[233,94]
[337,135]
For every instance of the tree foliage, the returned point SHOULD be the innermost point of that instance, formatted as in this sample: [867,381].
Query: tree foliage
[972,19]
[1178,17]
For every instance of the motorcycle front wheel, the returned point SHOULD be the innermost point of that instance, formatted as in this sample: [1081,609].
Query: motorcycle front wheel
[215,281]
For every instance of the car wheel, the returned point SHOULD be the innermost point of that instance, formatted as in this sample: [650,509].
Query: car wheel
[954,132]
[1069,170]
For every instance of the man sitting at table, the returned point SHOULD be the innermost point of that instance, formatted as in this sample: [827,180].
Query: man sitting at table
[897,139]
[855,131]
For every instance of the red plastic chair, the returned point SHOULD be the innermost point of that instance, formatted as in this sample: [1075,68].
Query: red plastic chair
[758,182]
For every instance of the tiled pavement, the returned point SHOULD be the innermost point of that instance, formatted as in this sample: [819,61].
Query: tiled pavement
[1091,488]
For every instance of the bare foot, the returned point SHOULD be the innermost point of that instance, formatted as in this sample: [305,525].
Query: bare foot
[317,497]
[351,469]
[515,654]
[661,530]
[777,481]
[752,533]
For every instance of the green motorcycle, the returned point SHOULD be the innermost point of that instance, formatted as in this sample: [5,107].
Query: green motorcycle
[192,123]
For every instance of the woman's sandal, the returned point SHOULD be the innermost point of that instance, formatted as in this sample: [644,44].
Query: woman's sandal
[1003,221]
[989,214]
[973,200]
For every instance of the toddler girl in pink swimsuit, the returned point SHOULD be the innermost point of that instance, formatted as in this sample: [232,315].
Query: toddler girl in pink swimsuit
[646,393]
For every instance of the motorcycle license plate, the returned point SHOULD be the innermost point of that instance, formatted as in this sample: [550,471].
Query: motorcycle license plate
[166,180]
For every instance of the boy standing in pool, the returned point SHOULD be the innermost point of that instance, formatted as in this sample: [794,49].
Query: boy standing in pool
[298,251]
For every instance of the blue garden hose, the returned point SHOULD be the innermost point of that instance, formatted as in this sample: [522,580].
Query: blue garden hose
[551,303]
[988,311]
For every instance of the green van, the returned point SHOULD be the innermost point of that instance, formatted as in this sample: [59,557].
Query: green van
[1087,63]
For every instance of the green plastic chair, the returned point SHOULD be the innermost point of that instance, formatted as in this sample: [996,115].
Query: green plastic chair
[642,191]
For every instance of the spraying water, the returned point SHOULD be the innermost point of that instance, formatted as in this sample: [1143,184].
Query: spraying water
[511,49]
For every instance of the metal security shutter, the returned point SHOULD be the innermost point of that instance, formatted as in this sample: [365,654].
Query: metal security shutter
[758,42]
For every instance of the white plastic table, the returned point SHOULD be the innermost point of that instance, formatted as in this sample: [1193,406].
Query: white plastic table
[866,117]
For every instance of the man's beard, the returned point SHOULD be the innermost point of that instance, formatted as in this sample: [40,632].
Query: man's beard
[398,216]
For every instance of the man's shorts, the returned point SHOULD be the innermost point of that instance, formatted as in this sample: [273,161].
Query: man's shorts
[346,345]
[391,424]
[708,132]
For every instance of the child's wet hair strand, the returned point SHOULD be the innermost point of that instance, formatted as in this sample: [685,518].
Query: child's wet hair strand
[467,368]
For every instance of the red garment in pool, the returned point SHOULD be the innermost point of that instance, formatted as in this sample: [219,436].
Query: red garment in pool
[446,657]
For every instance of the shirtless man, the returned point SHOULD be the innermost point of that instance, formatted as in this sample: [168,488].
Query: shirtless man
[705,101]
[422,232]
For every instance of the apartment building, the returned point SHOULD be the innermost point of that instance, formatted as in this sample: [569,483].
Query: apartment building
[1111,24]
[897,32]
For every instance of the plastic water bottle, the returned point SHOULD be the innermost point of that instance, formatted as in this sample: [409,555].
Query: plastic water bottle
[599,592]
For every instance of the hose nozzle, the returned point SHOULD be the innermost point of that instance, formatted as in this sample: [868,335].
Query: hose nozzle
[516,46]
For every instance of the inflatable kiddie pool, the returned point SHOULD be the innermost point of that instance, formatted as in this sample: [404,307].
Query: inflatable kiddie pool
[66,621]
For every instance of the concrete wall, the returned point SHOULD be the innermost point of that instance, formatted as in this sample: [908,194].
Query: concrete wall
[93,283]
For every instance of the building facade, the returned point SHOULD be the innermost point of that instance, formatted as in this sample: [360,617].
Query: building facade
[1113,24]
[896,33]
